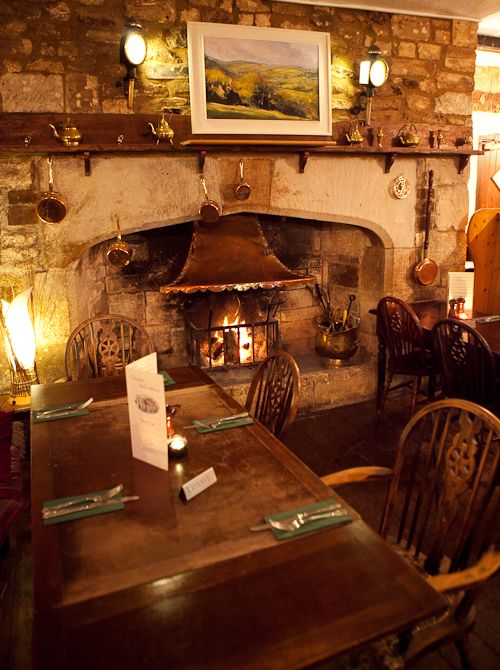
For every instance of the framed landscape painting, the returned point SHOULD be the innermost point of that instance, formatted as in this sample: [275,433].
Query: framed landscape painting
[248,80]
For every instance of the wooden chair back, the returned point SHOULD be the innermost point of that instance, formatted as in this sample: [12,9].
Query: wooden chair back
[444,496]
[103,345]
[466,362]
[273,396]
[404,338]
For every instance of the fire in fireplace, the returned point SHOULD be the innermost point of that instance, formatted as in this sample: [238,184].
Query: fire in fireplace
[232,331]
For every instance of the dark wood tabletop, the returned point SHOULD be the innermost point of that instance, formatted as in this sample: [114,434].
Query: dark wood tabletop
[431,311]
[169,584]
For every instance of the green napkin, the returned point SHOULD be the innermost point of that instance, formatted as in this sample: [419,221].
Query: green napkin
[167,379]
[311,525]
[62,408]
[203,425]
[117,505]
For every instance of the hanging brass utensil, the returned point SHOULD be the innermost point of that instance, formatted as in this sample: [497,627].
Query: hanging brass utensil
[51,206]
[119,253]
[243,189]
[425,271]
[408,136]
[210,210]
[163,132]
[68,133]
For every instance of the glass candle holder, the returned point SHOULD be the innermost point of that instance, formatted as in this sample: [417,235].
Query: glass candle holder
[177,446]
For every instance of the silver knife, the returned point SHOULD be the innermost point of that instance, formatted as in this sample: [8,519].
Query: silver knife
[49,513]
[328,508]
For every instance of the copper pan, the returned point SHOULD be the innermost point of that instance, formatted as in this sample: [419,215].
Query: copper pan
[119,253]
[243,189]
[210,210]
[425,271]
[51,206]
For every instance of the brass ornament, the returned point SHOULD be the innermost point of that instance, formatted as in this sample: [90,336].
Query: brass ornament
[119,253]
[355,137]
[400,187]
[163,132]
[68,133]
[408,136]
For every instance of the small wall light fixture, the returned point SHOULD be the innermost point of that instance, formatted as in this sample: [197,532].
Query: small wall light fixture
[372,74]
[133,50]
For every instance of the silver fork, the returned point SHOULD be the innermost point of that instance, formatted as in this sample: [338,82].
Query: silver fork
[101,498]
[302,519]
[58,410]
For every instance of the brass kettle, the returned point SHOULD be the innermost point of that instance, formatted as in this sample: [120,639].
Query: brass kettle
[408,136]
[68,133]
[163,131]
[355,137]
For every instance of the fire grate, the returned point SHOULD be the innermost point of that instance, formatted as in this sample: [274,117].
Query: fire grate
[232,345]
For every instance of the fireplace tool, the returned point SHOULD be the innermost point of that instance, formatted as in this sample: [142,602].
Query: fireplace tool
[119,253]
[51,206]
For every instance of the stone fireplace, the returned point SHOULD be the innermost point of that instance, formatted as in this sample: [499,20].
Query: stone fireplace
[338,221]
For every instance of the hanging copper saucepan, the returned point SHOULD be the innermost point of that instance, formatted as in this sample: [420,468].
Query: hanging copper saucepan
[51,206]
[119,253]
[210,210]
[243,189]
[425,271]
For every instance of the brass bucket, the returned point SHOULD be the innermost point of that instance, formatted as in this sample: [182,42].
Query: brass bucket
[340,344]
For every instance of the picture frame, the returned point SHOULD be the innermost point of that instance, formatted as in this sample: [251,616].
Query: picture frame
[246,80]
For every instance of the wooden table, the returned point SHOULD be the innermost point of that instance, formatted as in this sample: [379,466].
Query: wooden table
[430,312]
[167,584]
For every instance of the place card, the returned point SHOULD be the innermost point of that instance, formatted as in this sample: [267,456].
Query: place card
[146,410]
[198,484]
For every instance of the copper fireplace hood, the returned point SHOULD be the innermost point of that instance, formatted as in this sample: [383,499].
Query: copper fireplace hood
[232,253]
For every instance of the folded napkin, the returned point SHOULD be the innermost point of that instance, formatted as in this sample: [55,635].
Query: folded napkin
[62,408]
[488,319]
[310,525]
[203,425]
[167,379]
[112,505]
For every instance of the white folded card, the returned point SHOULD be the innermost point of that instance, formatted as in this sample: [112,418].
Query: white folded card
[146,410]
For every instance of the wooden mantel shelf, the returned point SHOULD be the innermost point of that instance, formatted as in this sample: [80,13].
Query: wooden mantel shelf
[23,133]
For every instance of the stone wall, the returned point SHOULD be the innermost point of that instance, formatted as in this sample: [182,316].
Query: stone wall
[62,56]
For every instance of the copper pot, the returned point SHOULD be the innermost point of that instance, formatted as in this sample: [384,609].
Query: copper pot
[425,271]
[243,189]
[51,206]
[210,210]
[119,253]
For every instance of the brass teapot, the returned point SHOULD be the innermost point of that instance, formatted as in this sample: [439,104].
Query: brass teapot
[408,136]
[355,137]
[68,134]
[163,131]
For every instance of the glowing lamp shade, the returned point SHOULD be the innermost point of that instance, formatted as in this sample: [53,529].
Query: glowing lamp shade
[378,72]
[364,72]
[135,48]
[20,335]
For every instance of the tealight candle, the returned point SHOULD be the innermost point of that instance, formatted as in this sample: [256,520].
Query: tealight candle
[177,446]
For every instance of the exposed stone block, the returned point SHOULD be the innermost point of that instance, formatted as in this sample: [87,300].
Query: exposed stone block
[442,37]
[295,9]
[82,93]
[453,103]
[32,93]
[59,12]
[411,27]
[46,65]
[263,20]
[411,67]
[418,103]
[429,51]
[407,50]
[459,59]
[12,28]
[245,19]
[464,34]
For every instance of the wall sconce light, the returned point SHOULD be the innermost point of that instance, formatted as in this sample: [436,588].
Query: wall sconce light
[19,337]
[372,74]
[133,50]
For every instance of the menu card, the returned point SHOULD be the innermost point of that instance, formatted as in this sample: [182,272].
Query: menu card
[146,410]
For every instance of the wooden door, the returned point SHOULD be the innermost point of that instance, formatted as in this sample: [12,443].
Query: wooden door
[487,191]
